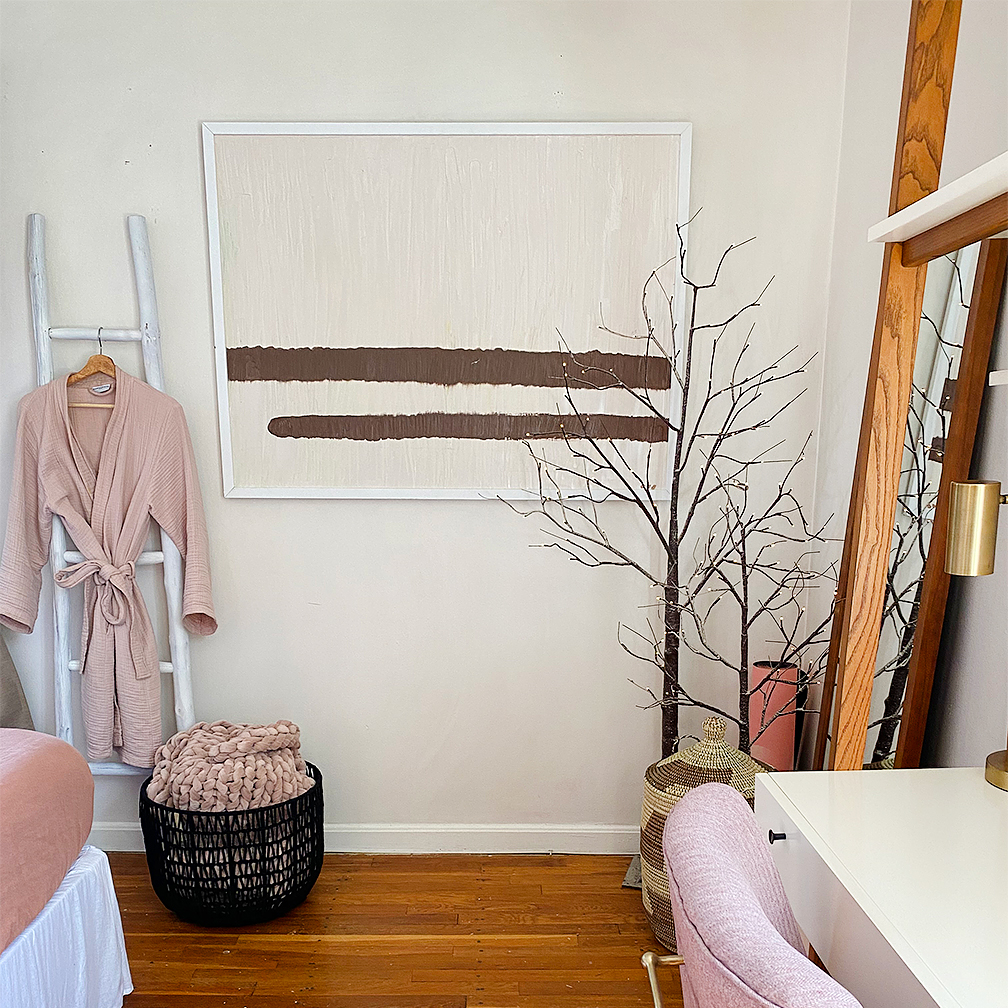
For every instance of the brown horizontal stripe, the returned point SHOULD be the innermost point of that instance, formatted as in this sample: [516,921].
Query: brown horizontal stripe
[441,366]
[482,426]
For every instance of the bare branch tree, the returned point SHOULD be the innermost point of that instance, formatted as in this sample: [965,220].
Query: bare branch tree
[758,555]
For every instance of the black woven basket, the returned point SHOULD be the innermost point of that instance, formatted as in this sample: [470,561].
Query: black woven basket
[228,868]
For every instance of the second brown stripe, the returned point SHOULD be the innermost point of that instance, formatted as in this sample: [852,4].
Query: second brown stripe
[480,426]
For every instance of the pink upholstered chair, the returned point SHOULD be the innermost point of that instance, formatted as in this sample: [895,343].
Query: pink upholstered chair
[734,927]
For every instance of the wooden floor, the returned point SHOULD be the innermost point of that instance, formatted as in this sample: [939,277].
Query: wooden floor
[440,931]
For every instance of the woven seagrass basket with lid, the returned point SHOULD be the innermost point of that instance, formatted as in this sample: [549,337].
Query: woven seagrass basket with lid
[665,782]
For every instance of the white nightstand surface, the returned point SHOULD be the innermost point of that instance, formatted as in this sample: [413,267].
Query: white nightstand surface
[924,853]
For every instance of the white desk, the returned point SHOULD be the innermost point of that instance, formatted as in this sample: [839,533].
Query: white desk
[899,879]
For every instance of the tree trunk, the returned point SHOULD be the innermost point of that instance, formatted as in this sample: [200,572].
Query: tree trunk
[897,687]
[672,613]
[744,742]
[670,680]
[673,619]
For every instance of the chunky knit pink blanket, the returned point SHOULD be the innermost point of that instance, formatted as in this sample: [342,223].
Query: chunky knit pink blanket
[225,767]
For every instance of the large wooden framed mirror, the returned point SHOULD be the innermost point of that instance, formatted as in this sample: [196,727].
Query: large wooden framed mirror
[942,281]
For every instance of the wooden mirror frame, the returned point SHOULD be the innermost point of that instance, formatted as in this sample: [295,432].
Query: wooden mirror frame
[850,672]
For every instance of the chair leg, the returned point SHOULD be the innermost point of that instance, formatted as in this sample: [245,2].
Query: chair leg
[651,961]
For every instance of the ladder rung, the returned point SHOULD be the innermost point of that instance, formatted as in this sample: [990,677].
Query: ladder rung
[147,559]
[164,667]
[86,333]
[112,769]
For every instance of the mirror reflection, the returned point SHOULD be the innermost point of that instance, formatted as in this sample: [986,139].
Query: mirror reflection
[939,346]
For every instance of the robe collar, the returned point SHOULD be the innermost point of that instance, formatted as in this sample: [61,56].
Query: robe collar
[97,484]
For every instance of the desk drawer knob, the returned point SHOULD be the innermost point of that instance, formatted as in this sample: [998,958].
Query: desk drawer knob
[777,836]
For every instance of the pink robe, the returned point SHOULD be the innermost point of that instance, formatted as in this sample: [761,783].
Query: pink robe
[105,473]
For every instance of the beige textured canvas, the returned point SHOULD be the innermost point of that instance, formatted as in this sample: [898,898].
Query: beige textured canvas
[407,243]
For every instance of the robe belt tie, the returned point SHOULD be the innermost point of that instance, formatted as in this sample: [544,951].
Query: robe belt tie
[114,585]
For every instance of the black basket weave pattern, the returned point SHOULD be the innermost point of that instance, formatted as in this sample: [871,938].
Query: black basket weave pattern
[229,868]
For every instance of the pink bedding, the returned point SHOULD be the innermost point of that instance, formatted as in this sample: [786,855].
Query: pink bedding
[46,807]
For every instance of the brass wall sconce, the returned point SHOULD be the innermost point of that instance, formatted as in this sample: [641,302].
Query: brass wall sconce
[972,527]
[969,551]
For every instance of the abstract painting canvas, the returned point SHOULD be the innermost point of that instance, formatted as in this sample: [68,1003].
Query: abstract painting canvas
[389,300]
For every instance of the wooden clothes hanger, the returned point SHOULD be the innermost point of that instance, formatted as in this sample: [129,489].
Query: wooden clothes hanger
[96,364]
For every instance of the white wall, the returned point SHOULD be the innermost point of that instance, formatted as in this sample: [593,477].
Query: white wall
[977,128]
[874,81]
[876,49]
[977,131]
[442,672]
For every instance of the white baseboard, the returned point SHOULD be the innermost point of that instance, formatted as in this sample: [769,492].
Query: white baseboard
[482,838]
[116,836]
[434,838]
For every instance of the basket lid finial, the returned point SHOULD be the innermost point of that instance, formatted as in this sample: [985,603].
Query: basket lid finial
[713,730]
[711,759]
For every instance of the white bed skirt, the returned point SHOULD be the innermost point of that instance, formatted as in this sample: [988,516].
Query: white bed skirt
[73,954]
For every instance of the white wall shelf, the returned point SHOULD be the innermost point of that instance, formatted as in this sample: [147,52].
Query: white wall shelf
[972,190]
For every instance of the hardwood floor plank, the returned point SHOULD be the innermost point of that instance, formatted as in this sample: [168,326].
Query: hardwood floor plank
[432,943]
[285,1001]
[394,931]
[596,1001]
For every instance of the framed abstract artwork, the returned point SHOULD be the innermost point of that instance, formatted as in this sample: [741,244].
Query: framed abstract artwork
[390,300]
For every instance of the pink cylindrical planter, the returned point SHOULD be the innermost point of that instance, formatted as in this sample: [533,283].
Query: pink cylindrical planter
[776,745]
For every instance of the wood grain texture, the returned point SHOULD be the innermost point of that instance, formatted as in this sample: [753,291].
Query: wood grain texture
[974,225]
[896,337]
[927,82]
[970,383]
[399,931]
[927,88]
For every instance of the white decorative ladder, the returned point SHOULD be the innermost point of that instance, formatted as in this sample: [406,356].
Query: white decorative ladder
[149,337]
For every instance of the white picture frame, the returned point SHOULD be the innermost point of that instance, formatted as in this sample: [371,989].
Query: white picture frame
[238,488]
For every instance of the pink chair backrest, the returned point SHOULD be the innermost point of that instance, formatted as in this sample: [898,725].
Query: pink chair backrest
[734,925]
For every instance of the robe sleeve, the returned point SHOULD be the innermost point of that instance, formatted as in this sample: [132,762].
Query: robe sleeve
[29,527]
[177,506]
